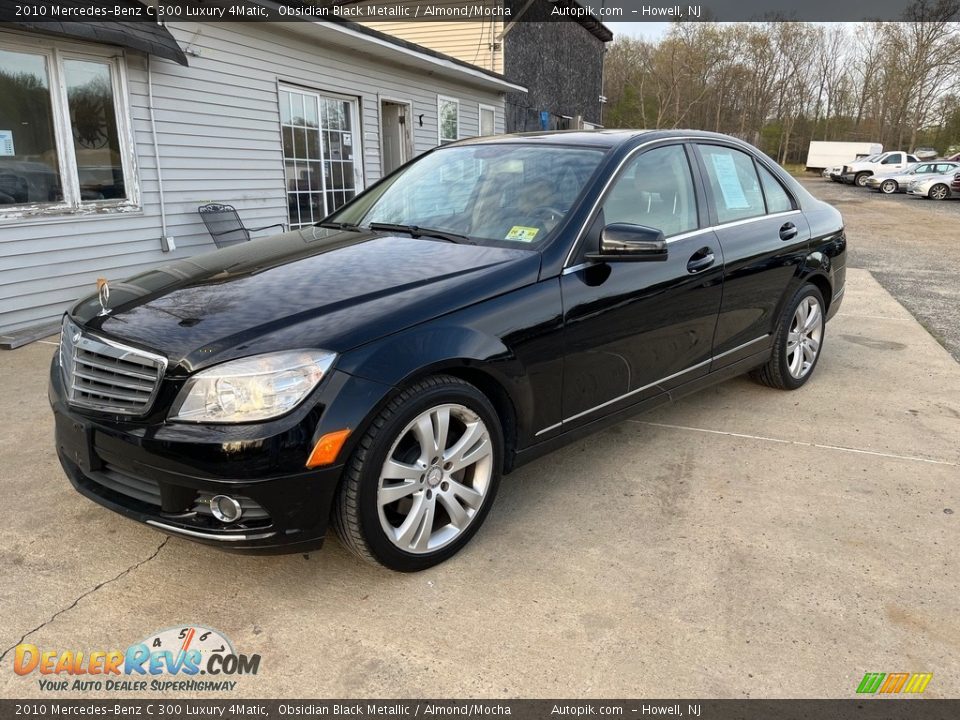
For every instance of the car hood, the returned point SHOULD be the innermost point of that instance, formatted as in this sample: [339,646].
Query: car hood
[313,287]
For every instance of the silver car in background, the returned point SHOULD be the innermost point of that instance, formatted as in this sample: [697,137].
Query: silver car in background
[937,187]
[889,183]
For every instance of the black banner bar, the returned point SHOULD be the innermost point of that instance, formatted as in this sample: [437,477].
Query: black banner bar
[605,11]
[873,708]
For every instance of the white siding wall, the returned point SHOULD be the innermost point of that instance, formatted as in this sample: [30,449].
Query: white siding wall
[219,140]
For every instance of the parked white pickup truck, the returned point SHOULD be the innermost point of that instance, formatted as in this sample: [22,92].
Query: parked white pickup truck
[888,162]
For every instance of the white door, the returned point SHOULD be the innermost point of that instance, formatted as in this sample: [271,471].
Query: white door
[321,153]
[394,134]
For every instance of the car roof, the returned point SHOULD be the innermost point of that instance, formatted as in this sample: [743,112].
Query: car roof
[605,138]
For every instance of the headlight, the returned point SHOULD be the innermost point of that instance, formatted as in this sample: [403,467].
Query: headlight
[252,388]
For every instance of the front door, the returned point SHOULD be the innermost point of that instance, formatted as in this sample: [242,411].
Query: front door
[635,329]
[321,153]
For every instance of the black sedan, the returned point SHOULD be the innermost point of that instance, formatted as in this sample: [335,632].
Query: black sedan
[483,305]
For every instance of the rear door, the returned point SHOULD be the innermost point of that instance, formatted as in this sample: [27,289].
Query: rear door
[764,238]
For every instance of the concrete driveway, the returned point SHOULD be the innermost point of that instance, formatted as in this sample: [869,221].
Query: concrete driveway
[744,542]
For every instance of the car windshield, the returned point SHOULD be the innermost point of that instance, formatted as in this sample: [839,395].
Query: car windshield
[509,194]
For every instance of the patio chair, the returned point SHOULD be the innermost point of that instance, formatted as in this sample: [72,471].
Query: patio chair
[225,226]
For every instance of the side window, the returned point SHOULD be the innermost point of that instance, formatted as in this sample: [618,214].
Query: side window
[656,190]
[921,169]
[892,159]
[733,182]
[777,198]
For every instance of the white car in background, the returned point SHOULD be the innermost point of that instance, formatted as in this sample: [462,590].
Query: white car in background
[888,162]
[835,172]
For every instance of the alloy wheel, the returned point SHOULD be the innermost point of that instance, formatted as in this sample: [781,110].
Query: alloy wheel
[939,192]
[435,478]
[803,341]
[889,187]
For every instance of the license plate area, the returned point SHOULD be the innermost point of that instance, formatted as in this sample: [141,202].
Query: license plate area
[75,440]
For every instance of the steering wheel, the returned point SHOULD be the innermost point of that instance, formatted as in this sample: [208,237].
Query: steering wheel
[546,212]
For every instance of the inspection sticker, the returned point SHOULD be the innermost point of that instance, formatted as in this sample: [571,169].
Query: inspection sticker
[521,233]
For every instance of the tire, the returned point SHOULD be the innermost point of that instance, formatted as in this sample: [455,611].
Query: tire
[860,179]
[889,187]
[421,508]
[791,364]
[939,192]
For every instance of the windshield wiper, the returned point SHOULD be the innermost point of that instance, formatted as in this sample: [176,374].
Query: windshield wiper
[353,227]
[416,231]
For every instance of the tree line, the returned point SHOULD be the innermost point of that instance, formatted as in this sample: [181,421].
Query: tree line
[780,85]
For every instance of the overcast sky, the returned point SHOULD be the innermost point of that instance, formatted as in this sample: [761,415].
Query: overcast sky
[648,30]
[654,30]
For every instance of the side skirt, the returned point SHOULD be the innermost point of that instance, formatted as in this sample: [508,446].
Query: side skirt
[522,457]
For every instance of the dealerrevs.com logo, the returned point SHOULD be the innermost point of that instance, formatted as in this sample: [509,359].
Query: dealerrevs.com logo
[167,661]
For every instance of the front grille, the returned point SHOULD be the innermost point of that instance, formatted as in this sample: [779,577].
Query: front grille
[107,376]
[147,491]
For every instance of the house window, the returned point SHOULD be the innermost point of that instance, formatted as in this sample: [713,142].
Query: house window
[63,139]
[448,113]
[320,153]
[488,120]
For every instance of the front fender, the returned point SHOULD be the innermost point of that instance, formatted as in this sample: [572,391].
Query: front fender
[514,340]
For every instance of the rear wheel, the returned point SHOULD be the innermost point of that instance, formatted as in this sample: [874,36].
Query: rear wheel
[423,477]
[939,192]
[861,179]
[888,187]
[798,341]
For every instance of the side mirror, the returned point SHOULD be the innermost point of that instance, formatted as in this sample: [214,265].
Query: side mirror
[627,242]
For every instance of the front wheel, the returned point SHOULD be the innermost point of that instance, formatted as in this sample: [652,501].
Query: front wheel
[939,192]
[888,187]
[423,476]
[798,341]
[861,179]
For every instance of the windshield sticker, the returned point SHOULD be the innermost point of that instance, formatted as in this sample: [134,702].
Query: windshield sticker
[729,182]
[521,233]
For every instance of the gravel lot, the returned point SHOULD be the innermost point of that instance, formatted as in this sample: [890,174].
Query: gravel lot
[909,244]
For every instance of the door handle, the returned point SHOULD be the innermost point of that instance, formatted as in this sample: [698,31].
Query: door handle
[700,260]
[788,231]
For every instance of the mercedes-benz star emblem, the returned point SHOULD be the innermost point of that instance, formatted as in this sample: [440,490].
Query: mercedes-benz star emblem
[103,289]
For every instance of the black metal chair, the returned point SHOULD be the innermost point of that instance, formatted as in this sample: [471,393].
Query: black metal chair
[225,226]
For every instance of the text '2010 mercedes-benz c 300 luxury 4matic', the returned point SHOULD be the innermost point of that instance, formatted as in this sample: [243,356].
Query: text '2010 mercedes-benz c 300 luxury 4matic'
[485,304]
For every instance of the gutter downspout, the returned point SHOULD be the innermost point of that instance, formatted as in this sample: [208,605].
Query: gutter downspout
[166,242]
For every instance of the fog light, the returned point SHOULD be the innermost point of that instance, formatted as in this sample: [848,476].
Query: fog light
[225,509]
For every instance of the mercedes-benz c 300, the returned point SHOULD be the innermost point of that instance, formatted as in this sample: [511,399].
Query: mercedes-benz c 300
[486,303]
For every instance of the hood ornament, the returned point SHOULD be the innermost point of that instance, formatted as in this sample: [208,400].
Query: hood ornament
[103,292]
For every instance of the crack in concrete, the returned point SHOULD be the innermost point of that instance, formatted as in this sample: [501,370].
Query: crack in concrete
[89,592]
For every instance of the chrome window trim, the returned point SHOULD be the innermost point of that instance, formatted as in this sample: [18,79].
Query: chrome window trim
[650,385]
[694,233]
[679,139]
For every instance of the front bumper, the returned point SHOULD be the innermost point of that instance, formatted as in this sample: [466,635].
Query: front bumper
[164,474]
